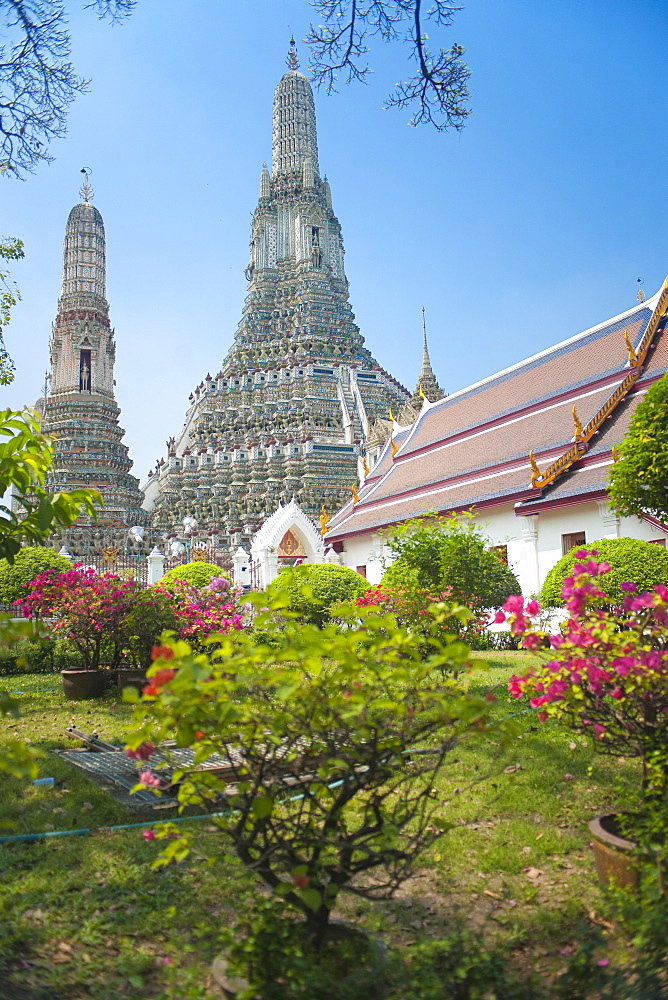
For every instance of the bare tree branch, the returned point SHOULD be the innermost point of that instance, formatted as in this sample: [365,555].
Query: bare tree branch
[437,93]
[37,81]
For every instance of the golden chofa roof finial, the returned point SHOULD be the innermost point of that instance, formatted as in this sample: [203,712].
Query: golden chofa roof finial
[324,521]
[85,191]
[577,425]
[633,357]
[641,295]
[292,60]
[535,471]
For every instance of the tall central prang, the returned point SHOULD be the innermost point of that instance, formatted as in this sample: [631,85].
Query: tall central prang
[289,412]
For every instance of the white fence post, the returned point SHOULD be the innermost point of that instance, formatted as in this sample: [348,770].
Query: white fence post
[156,565]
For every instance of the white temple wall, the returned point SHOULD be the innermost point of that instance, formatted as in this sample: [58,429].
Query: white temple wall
[534,542]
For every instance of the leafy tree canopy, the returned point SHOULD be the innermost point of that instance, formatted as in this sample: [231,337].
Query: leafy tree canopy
[631,561]
[449,552]
[639,480]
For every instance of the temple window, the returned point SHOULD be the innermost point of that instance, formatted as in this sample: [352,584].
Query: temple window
[572,541]
[361,570]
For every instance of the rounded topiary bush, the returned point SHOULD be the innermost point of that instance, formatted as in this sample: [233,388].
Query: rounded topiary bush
[196,573]
[28,563]
[631,561]
[330,585]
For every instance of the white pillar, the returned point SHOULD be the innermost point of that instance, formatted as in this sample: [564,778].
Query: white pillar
[241,571]
[609,520]
[156,565]
[529,529]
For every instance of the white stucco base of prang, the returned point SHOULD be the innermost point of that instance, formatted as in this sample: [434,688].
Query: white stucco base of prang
[264,544]
[534,541]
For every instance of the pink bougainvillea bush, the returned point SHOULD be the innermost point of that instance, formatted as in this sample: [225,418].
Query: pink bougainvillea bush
[605,673]
[202,611]
[87,608]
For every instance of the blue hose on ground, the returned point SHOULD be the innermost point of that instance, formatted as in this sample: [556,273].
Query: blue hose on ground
[31,838]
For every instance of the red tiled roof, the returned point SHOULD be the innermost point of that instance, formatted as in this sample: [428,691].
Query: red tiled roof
[472,447]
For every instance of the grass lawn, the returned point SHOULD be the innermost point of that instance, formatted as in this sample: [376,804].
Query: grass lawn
[85,917]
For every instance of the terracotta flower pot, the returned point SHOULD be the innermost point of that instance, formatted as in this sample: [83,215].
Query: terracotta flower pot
[613,853]
[130,677]
[79,685]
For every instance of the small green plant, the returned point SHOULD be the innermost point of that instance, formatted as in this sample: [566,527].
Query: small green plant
[313,590]
[630,560]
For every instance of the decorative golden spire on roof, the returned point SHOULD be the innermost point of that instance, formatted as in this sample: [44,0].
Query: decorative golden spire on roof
[292,60]
[355,494]
[86,192]
[641,295]
[324,521]
[633,357]
[535,471]
[365,466]
[391,415]
[393,446]
[579,429]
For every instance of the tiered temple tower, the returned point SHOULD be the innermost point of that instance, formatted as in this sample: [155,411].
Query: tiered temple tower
[79,408]
[288,413]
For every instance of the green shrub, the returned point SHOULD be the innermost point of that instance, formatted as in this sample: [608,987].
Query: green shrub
[449,554]
[29,562]
[328,585]
[631,560]
[29,656]
[196,573]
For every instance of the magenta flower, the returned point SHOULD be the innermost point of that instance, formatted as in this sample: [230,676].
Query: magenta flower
[148,835]
[148,779]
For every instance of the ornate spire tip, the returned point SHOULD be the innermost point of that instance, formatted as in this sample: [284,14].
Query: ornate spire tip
[85,191]
[292,60]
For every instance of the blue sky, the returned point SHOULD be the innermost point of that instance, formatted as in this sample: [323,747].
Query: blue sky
[531,225]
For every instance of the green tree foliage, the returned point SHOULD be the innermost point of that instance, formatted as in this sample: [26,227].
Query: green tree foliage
[639,480]
[197,573]
[631,561]
[25,460]
[29,562]
[314,589]
[10,249]
[438,554]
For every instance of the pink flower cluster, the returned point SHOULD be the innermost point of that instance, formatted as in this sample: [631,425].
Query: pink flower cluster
[607,671]
[211,609]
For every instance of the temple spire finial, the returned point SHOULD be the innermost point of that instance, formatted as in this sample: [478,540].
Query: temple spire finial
[292,60]
[86,192]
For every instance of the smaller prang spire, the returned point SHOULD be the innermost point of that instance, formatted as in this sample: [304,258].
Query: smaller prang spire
[292,61]
[427,386]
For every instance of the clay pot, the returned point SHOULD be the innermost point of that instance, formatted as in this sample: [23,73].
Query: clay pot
[131,678]
[613,855]
[80,685]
